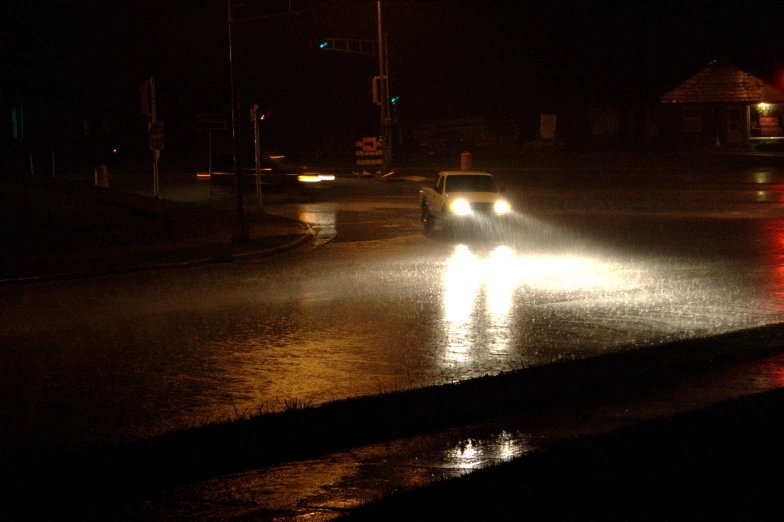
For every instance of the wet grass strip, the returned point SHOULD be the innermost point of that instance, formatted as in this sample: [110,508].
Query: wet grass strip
[719,463]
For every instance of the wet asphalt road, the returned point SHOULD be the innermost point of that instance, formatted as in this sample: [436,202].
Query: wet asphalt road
[585,268]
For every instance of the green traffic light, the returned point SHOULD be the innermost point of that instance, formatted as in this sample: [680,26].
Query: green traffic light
[395,100]
[323,45]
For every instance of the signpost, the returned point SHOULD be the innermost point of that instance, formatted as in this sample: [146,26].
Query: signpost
[254,118]
[156,135]
[155,129]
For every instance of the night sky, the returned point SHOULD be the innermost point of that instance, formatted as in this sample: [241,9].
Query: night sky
[448,59]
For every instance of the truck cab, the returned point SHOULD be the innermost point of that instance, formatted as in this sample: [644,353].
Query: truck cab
[460,197]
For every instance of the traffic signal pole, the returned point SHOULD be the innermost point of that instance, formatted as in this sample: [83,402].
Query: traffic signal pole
[386,120]
[351,45]
[380,83]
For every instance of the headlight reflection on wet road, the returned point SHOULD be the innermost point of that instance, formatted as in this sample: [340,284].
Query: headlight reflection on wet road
[462,282]
[461,286]
[502,280]
[322,218]
[480,289]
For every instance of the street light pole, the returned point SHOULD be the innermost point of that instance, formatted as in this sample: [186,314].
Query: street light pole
[242,236]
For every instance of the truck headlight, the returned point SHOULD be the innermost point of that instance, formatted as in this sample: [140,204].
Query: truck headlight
[461,207]
[502,207]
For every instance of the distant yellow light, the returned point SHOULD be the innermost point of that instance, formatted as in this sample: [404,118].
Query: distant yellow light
[315,178]
[764,177]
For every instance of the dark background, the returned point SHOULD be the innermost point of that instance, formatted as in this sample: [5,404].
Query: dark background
[67,62]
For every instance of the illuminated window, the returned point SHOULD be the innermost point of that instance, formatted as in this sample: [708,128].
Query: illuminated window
[766,120]
[692,119]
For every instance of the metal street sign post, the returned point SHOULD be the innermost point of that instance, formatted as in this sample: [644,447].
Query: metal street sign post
[155,129]
[254,118]
[156,135]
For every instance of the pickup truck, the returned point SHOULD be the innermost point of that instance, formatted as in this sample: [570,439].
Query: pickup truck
[460,197]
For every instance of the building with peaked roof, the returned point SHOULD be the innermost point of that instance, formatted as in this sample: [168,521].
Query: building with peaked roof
[723,104]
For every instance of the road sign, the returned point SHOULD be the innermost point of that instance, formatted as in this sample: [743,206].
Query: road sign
[156,135]
[369,151]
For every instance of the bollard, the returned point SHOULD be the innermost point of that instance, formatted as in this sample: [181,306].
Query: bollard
[101,176]
[465,161]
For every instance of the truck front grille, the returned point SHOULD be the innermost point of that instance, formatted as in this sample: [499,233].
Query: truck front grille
[482,208]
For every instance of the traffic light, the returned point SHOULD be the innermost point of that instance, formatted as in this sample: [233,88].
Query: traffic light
[259,114]
[393,108]
[346,45]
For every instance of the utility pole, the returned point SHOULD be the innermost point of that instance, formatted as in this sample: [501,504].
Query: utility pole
[242,235]
[383,73]
[156,153]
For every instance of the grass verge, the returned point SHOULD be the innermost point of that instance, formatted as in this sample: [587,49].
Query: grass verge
[98,480]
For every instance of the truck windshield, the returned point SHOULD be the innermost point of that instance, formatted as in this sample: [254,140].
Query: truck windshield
[470,184]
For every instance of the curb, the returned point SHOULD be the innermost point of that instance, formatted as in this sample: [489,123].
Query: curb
[310,236]
[161,266]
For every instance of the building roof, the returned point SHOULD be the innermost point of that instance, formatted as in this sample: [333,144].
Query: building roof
[721,81]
